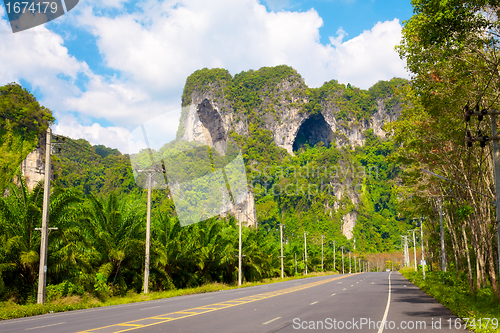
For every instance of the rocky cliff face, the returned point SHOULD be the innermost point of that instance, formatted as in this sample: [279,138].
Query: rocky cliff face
[215,104]
[33,166]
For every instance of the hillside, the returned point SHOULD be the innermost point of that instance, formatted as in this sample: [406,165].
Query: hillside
[22,122]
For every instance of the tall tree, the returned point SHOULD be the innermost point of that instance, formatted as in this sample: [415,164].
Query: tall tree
[451,48]
[20,214]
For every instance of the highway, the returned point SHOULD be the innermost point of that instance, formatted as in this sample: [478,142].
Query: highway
[341,303]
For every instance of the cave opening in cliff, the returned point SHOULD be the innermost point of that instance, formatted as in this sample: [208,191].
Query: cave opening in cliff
[313,130]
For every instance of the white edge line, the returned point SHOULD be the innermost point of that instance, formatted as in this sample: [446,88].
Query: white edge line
[32,328]
[270,321]
[381,329]
[154,307]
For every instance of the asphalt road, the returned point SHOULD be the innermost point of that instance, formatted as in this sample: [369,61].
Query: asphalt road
[340,303]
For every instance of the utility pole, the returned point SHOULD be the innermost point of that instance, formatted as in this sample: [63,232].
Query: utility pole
[334,267]
[322,236]
[305,250]
[422,239]
[414,249]
[148,234]
[239,254]
[402,252]
[295,255]
[281,242]
[149,173]
[406,252]
[42,273]
[343,260]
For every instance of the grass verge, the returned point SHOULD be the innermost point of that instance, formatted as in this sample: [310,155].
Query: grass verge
[11,310]
[456,296]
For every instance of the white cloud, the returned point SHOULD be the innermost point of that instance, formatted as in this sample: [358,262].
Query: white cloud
[369,57]
[156,47]
[166,43]
[160,130]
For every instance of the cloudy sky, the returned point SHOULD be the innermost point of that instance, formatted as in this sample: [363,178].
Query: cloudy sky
[107,66]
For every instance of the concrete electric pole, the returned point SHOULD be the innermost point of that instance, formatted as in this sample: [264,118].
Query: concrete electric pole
[42,273]
[322,252]
[281,243]
[305,250]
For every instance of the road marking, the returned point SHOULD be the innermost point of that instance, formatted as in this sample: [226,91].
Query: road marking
[34,328]
[381,329]
[333,294]
[344,289]
[352,285]
[154,307]
[270,321]
[339,282]
[206,298]
[313,303]
[160,319]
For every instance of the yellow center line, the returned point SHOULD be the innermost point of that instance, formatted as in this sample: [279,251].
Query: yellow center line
[159,319]
[125,324]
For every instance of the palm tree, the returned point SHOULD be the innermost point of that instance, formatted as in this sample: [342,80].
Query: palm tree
[20,214]
[116,230]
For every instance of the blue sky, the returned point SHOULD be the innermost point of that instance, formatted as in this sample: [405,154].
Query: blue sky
[106,67]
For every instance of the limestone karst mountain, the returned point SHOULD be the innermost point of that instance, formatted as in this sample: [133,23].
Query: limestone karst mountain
[276,99]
